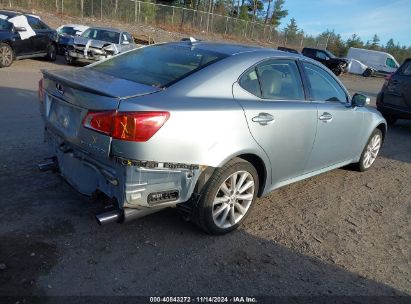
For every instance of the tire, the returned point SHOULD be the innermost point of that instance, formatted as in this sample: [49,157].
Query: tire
[367,73]
[51,52]
[220,209]
[370,152]
[337,71]
[69,60]
[6,55]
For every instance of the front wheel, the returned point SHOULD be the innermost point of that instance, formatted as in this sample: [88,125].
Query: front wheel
[6,55]
[51,52]
[227,198]
[371,150]
[337,71]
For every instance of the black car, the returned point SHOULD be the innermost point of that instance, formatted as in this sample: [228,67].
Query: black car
[394,100]
[18,42]
[334,63]
[286,49]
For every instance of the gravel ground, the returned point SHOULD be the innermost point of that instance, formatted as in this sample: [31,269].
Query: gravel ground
[340,233]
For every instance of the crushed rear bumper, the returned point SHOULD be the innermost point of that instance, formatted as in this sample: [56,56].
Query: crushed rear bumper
[138,187]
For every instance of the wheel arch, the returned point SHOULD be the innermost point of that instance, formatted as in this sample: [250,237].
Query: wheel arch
[253,159]
[383,128]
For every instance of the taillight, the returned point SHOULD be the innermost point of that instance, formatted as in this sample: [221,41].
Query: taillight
[41,90]
[387,79]
[131,126]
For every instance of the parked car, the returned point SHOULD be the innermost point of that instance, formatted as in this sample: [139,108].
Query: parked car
[204,127]
[99,43]
[25,36]
[286,49]
[394,100]
[334,63]
[67,33]
[377,62]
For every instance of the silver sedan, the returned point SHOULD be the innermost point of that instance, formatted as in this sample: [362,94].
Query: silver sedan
[203,127]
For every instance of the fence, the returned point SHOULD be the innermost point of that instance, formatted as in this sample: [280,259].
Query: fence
[178,18]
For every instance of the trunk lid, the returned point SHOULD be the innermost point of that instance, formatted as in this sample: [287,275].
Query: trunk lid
[70,94]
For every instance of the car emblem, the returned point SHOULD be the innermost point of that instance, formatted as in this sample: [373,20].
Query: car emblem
[60,88]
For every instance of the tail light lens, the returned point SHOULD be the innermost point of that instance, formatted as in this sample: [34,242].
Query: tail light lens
[41,90]
[387,79]
[131,126]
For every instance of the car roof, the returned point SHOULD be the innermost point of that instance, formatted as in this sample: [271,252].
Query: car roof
[75,25]
[111,29]
[12,14]
[230,49]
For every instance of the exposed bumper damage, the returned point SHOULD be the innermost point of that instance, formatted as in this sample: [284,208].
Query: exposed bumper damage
[138,187]
[89,52]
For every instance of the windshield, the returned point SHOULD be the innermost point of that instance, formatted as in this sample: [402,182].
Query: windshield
[67,30]
[103,35]
[158,65]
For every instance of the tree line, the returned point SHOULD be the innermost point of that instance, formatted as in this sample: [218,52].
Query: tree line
[271,12]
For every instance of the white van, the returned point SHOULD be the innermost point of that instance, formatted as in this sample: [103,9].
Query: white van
[379,62]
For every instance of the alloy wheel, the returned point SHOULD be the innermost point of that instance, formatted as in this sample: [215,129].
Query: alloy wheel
[6,56]
[372,150]
[233,199]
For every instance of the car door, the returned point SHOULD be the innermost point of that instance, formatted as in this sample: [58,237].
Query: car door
[398,92]
[339,124]
[279,117]
[38,41]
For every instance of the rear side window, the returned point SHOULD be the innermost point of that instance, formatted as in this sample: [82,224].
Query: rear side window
[280,80]
[5,25]
[249,82]
[390,63]
[323,86]
[158,65]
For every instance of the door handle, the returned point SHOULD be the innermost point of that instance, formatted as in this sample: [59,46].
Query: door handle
[326,117]
[263,119]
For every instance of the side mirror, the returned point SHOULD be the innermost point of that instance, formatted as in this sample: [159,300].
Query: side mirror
[125,42]
[360,100]
[20,29]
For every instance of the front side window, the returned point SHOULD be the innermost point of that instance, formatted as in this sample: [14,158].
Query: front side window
[281,80]
[323,86]
[321,55]
[35,23]
[158,65]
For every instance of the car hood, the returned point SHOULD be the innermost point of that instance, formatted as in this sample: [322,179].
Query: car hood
[93,43]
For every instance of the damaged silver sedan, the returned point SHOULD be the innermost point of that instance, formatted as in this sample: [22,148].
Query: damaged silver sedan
[98,43]
[204,127]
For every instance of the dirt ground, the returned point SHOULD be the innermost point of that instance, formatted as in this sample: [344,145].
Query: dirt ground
[340,233]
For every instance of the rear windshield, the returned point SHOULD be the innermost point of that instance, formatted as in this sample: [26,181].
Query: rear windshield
[158,65]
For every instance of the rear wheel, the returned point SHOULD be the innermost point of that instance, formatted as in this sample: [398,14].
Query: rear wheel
[367,73]
[371,150]
[227,198]
[6,55]
[51,52]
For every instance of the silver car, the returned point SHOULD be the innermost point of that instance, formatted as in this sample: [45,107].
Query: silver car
[98,43]
[204,127]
